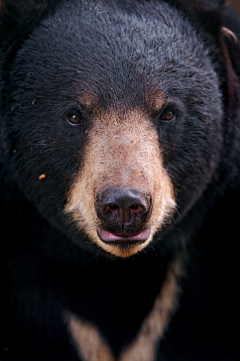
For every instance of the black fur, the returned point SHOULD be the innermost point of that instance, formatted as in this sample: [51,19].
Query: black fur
[121,50]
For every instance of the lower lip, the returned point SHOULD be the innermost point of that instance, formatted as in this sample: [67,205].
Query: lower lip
[111,237]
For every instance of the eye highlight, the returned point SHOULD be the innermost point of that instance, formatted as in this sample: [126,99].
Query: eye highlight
[167,115]
[74,117]
[172,110]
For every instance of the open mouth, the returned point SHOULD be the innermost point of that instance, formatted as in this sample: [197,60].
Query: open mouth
[109,237]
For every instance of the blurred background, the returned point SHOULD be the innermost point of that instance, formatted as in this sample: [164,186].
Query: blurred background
[235,4]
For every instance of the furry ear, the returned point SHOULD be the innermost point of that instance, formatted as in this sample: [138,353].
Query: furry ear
[230,45]
[17,18]
[207,12]
[223,24]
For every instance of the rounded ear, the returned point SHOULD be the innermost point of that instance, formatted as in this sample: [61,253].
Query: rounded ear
[218,19]
[230,31]
[206,12]
[230,45]
[18,17]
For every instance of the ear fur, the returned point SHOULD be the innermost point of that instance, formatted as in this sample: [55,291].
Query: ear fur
[205,12]
[230,45]
[223,25]
[18,17]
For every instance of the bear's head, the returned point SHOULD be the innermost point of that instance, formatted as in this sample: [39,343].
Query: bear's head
[112,115]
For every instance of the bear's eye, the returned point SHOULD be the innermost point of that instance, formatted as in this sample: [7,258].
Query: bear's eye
[74,117]
[167,115]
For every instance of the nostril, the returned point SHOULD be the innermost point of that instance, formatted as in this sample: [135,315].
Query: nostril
[136,209]
[111,209]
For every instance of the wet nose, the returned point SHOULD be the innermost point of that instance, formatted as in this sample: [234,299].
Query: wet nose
[123,207]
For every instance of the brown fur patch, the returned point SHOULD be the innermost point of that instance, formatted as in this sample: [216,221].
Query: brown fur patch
[153,327]
[154,100]
[92,346]
[88,98]
[121,151]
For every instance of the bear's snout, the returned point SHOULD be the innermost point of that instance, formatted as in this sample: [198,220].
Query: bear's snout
[122,194]
[123,211]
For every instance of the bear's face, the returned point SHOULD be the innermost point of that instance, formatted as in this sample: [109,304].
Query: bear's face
[115,123]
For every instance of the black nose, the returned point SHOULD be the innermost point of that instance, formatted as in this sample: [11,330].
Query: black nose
[123,209]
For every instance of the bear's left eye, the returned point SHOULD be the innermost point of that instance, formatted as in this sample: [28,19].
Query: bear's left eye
[74,117]
[167,115]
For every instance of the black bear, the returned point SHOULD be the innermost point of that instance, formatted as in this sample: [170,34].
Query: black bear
[120,180]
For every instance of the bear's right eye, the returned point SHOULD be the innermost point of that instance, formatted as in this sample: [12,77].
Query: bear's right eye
[167,116]
[74,117]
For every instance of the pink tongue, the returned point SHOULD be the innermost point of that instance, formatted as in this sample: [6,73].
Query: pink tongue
[111,237]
